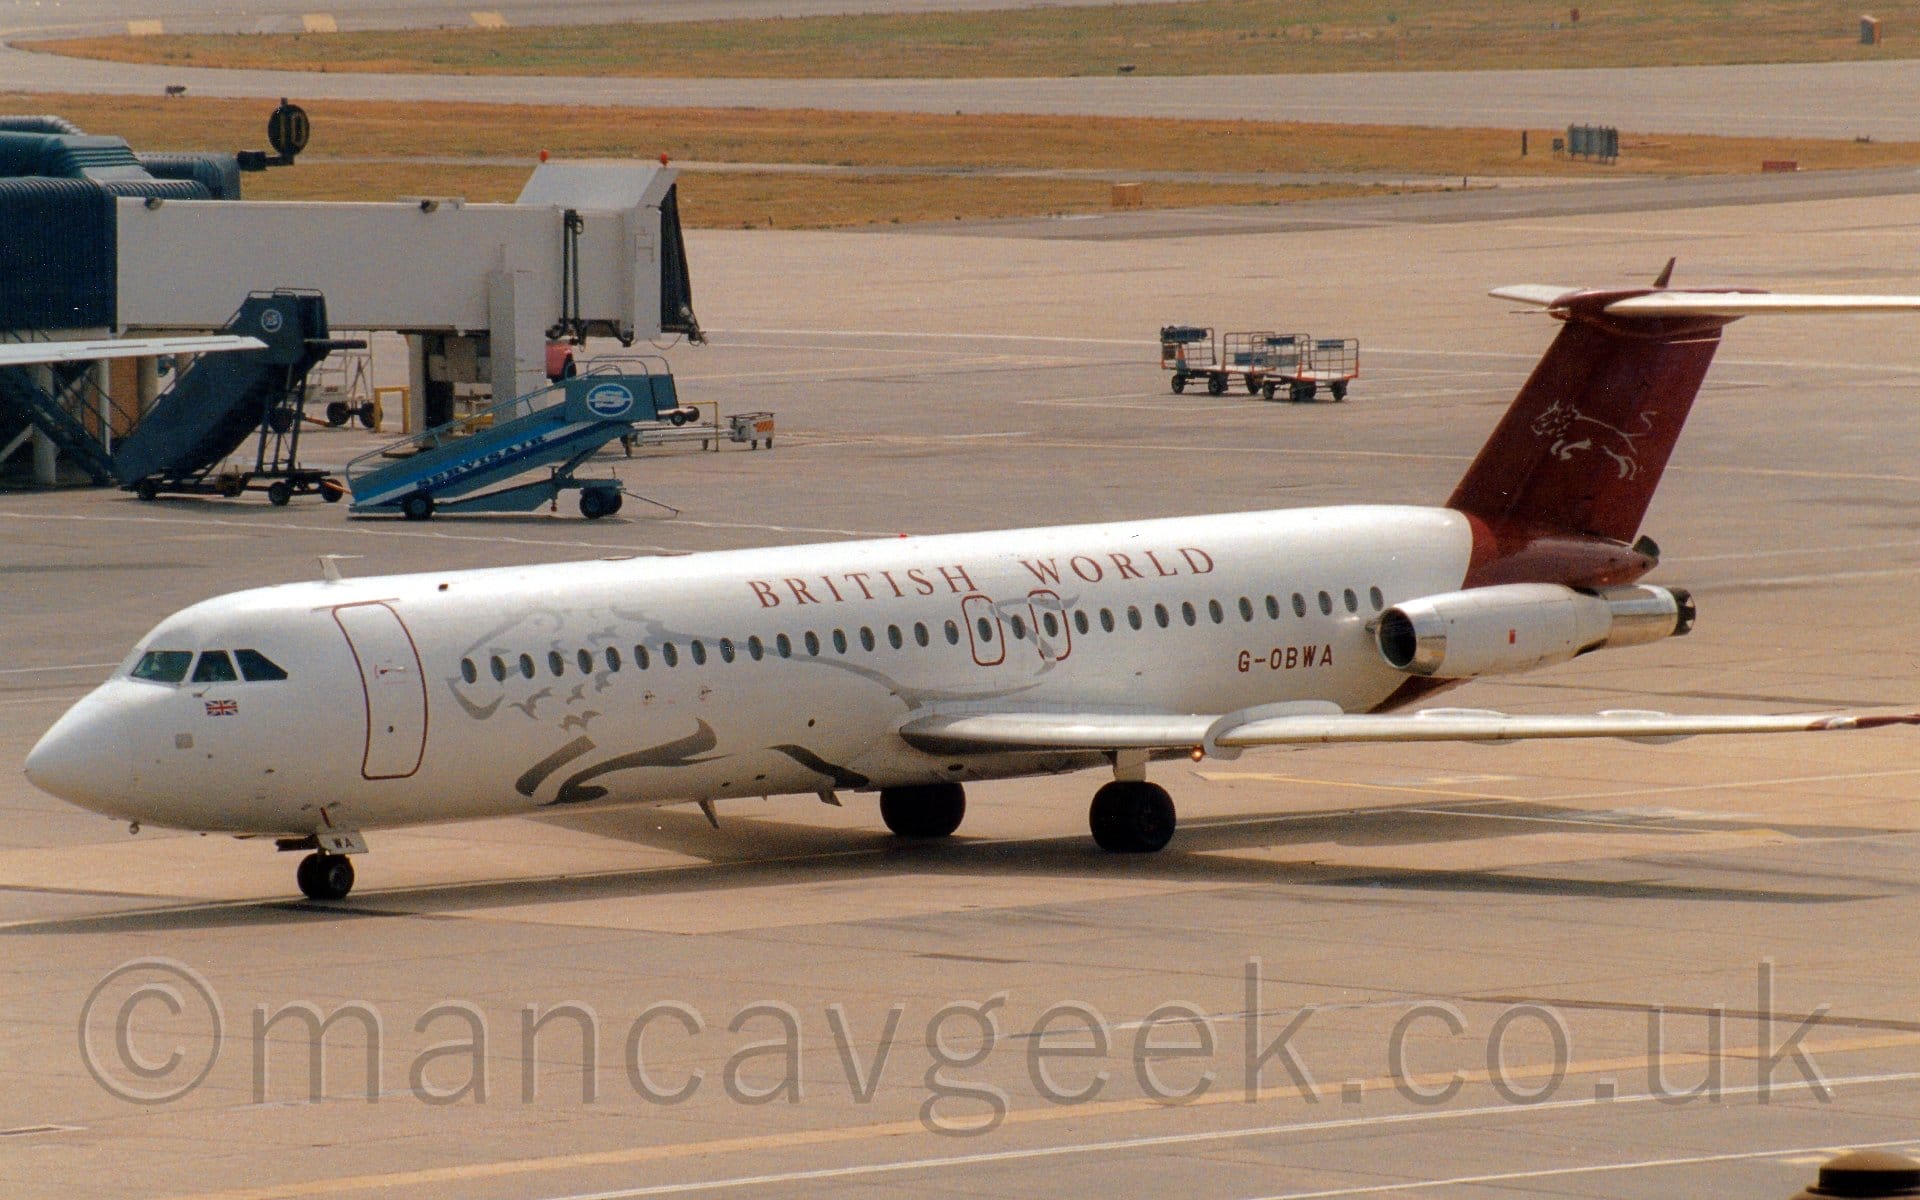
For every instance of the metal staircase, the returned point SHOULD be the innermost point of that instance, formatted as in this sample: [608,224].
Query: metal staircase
[81,432]
[557,427]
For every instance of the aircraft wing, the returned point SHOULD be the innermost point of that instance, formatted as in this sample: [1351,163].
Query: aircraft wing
[1310,724]
[27,354]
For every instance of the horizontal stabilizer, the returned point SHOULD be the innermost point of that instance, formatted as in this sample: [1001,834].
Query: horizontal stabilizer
[1682,303]
[1753,304]
[27,354]
[989,732]
[1542,294]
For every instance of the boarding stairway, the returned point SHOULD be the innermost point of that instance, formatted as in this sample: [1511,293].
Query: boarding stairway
[557,427]
[220,401]
[79,432]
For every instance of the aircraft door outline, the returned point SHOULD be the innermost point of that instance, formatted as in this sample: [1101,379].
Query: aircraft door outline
[394,686]
[986,637]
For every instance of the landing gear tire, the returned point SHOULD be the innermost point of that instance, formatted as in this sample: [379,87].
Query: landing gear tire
[279,492]
[417,507]
[1131,817]
[1216,385]
[325,876]
[932,811]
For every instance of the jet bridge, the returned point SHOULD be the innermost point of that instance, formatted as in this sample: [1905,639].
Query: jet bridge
[588,249]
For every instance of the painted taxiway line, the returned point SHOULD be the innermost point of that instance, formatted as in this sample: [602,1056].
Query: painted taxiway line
[1643,1164]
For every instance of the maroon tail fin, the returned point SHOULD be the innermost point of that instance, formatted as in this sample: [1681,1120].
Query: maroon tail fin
[1582,447]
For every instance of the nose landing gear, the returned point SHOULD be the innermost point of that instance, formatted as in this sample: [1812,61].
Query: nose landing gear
[325,876]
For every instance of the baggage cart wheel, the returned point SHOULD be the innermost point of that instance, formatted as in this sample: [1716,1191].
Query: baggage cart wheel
[279,492]
[337,413]
[1253,384]
[1268,388]
[417,507]
[147,490]
[1339,389]
[1179,383]
[1216,385]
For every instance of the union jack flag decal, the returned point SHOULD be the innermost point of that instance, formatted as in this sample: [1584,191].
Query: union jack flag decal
[223,708]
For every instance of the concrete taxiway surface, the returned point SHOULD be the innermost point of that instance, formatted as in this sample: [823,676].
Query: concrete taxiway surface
[1831,100]
[1447,961]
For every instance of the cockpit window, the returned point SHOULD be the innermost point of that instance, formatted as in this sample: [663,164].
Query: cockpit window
[214,667]
[256,667]
[163,666]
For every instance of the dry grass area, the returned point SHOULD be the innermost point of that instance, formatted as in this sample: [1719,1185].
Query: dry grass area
[471,150]
[1200,37]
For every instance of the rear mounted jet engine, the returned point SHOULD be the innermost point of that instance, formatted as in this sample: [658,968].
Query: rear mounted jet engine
[1519,626]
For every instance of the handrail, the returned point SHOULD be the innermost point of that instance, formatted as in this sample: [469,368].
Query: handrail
[427,439]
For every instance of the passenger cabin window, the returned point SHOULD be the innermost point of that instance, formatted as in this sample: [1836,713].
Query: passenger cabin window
[585,658]
[163,666]
[468,671]
[215,667]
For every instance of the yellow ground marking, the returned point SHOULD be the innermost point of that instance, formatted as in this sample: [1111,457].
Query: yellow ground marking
[633,1155]
[489,20]
[319,23]
[144,29]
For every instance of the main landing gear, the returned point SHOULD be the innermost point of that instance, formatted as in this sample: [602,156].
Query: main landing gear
[325,876]
[1128,816]
[1131,816]
[931,810]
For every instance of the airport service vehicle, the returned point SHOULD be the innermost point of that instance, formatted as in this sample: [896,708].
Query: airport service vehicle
[1261,360]
[311,713]
[556,428]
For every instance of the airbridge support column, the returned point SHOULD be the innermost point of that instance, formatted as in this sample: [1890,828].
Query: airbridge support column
[519,347]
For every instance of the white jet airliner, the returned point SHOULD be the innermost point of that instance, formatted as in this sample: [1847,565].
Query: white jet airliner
[311,712]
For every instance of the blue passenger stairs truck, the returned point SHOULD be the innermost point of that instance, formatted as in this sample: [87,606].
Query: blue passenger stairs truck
[467,464]
[221,400]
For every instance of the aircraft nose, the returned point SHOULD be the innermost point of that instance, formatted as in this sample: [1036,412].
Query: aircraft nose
[83,759]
